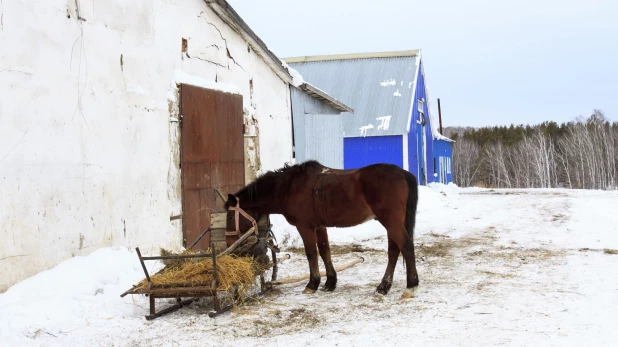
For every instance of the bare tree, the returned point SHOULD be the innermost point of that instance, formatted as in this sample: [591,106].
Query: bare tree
[496,157]
[584,154]
[466,162]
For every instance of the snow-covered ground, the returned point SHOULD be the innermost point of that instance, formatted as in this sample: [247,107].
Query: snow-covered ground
[497,267]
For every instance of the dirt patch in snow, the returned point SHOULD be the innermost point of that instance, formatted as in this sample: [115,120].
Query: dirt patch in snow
[516,192]
[339,249]
[605,250]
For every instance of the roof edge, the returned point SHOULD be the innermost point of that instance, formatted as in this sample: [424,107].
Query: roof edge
[227,13]
[324,97]
[444,138]
[230,17]
[415,84]
[390,54]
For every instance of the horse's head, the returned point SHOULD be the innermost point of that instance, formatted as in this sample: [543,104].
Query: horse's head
[244,224]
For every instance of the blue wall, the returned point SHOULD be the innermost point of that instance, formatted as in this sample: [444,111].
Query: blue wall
[443,154]
[363,151]
[415,137]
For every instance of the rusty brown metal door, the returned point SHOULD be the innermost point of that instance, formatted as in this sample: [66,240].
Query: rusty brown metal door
[212,155]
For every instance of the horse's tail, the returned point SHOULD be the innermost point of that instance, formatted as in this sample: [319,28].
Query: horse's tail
[412,203]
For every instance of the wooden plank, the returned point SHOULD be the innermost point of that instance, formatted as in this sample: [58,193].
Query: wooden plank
[218,220]
[197,175]
[263,222]
[188,291]
[238,242]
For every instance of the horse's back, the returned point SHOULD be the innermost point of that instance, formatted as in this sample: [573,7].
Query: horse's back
[385,186]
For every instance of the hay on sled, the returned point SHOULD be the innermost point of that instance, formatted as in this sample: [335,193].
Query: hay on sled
[232,271]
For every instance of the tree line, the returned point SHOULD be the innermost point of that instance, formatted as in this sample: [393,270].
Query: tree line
[578,154]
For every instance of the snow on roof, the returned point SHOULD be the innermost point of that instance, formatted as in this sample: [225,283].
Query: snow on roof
[299,82]
[374,87]
[432,119]
[297,79]
[181,77]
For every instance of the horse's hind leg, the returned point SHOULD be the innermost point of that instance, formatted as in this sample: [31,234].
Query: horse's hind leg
[387,280]
[407,249]
[397,232]
[310,242]
[324,248]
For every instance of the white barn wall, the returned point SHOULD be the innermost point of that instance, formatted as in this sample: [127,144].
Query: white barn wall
[88,155]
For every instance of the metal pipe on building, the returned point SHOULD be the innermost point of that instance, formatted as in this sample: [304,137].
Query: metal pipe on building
[440,116]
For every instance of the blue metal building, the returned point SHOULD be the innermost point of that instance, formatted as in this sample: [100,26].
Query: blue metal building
[392,122]
[443,161]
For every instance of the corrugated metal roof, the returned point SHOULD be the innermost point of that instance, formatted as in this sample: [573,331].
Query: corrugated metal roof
[380,90]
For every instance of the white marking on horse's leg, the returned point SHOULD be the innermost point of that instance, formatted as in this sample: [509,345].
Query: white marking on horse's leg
[409,293]
[308,291]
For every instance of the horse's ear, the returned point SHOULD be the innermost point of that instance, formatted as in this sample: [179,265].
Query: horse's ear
[231,201]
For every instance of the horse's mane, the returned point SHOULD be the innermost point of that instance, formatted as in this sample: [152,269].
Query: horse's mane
[279,175]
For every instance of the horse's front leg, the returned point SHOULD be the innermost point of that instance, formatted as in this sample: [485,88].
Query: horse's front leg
[311,251]
[324,248]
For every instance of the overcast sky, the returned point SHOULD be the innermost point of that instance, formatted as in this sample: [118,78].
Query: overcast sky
[491,62]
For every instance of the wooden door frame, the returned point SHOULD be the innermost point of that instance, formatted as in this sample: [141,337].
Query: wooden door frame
[182,172]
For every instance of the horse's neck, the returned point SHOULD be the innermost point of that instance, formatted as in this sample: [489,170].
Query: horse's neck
[265,206]
[270,203]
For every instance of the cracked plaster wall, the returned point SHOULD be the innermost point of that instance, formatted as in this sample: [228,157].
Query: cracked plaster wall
[89,148]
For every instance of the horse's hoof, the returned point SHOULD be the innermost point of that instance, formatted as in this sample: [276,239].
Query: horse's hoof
[409,293]
[382,291]
[308,291]
[328,289]
[383,288]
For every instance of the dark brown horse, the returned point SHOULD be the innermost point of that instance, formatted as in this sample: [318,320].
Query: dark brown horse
[313,197]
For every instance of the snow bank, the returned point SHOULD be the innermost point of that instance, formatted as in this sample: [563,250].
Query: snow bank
[435,196]
[78,292]
[450,190]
